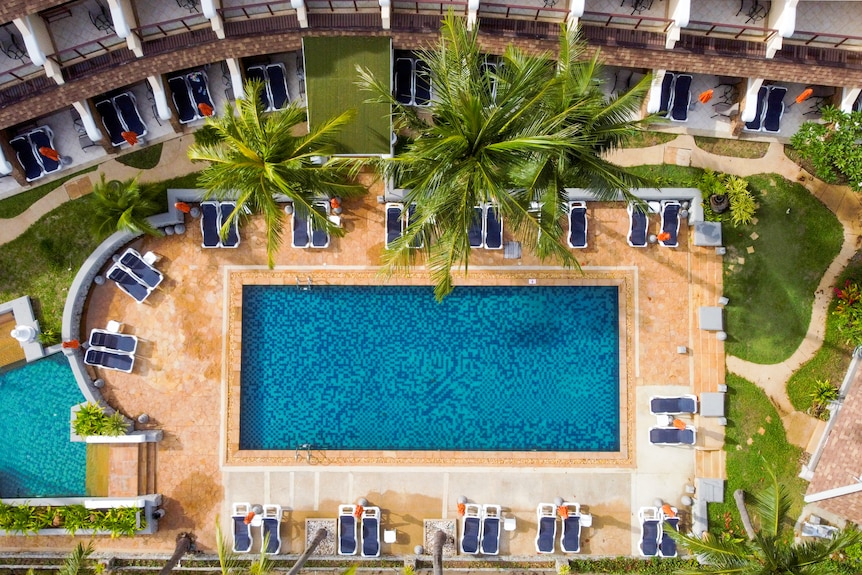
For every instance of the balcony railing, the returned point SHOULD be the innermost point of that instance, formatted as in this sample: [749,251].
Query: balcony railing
[22,73]
[168,27]
[342,6]
[27,89]
[433,8]
[96,64]
[826,40]
[258,10]
[255,26]
[737,32]
[632,22]
[515,12]
[89,49]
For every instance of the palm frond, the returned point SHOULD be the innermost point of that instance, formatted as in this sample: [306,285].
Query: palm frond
[227,560]
[76,562]
[772,505]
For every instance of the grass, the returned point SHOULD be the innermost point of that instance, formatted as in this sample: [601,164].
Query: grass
[772,292]
[331,83]
[143,159]
[754,438]
[669,175]
[18,204]
[832,359]
[646,139]
[734,148]
[158,190]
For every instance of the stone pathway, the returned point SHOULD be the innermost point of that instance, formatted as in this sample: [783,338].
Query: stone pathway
[682,151]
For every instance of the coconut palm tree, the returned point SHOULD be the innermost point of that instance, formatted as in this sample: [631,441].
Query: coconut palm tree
[122,206]
[514,136]
[78,562]
[769,548]
[256,156]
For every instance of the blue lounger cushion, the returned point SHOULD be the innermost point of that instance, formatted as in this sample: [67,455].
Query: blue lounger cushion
[210,225]
[491,535]
[578,225]
[182,98]
[128,284]
[277,80]
[667,548]
[404,81]
[371,532]
[301,238]
[241,535]
[774,109]
[638,224]
[346,533]
[670,223]
[672,436]
[755,124]
[111,121]
[44,138]
[649,537]
[393,222]
[474,233]
[493,228]
[259,73]
[109,360]
[27,158]
[141,270]
[231,238]
[673,405]
[681,98]
[421,84]
[200,92]
[666,92]
[471,529]
[113,341]
[571,537]
[546,534]
[127,107]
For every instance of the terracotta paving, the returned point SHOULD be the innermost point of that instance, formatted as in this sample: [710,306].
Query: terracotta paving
[184,365]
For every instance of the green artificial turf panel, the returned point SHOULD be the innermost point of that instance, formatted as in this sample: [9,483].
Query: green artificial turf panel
[330,75]
[771,289]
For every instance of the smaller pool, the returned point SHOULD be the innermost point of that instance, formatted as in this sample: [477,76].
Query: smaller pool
[38,459]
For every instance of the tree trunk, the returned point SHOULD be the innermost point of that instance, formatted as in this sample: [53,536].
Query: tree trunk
[184,544]
[739,496]
[318,539]
[437,552]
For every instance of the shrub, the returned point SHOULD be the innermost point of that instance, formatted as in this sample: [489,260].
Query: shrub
[822,395]
[91,419]
[832,146]
[29,519]
[49,337]
[742,204]
[849,312]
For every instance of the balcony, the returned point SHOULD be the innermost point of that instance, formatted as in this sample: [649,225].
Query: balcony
[238,10]
[531,10]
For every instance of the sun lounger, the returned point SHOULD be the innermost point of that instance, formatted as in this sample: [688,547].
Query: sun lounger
[113,341]
[210,225]
[277,80]
[346,530]
[43,137]
[111,121]
[476,232]
[667,544]
[241,530]
[270,528]
[546,533]
[491,529]
[371,532]
[638,225]
[231,238]
[319,236]
[259,73]
[471,529]
[667,405]
[577,225]
[681,98]
[404,81]
[109,359]
[570,538]
[182,98]
[670,222]
[666,93]
[493,228]
[394,222]
[141,270]
[128,283]
[774,109]
[27,158]
[301,238]
[755,124]
[127,108]
[650,531]
[418,239]
[817,530]
[422,84]
[672,435]
[200,92]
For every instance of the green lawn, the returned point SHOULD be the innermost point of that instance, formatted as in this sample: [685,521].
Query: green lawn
[755,437]
[330,68]
[144,159]
[771,288]
[18,204]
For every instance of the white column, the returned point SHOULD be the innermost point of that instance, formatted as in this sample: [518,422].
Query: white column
[752,87]
[235,78]
[37,41]
[301,13]
[848,98]
[160,97]
[386,13]
[124,22]
[576,10]
[5,166]
[782,18]
[210,11]
[93,131]
[655,91]
[679,12]
[472,13]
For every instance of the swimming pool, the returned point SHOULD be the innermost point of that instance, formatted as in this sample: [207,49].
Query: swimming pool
[500,368]
[38,459]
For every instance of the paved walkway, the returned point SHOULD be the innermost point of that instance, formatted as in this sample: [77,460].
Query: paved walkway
[771,378]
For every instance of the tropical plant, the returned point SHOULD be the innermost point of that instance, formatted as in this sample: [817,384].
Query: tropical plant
[78,562]
[91,419]
[48,336]
[832,146]
[769,548]
[253,157]
[848,310]
[122,206]
[742,204]
[822,395]
[515,135]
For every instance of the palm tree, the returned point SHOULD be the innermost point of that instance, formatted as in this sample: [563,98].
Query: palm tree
[78,562]
[122,206]
[515,137]
[769,548]
[256,156]
[263,565]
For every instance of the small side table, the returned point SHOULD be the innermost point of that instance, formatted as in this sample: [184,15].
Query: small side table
[509,524]
[390,535]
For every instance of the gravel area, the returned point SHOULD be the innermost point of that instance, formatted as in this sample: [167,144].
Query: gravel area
[327,546]
[448,527]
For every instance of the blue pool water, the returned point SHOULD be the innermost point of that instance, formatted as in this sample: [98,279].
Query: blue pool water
[389,368]
[38,460]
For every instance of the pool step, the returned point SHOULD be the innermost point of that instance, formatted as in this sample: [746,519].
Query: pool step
[147,468]
[711,464]
[123,470]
